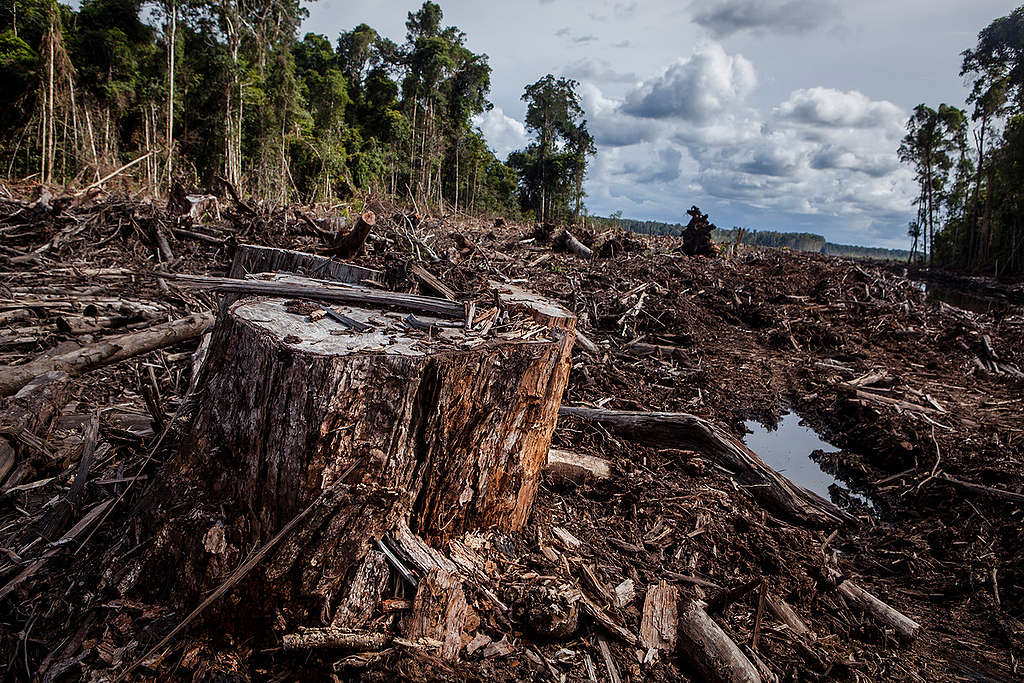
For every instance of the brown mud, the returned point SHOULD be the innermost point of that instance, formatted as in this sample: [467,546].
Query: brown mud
[924,400]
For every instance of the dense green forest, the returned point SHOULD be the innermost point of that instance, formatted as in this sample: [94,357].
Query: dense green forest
[206,89]
[969,162]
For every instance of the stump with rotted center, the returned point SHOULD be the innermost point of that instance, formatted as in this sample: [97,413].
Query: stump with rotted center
[382,419]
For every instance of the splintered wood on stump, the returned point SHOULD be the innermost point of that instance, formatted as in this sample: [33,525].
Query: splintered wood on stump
[424,423]
[438,613]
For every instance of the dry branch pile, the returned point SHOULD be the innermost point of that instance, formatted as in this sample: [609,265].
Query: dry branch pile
[146,516]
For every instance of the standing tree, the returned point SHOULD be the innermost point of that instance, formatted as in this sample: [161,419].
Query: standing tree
[551,169]
[931,140]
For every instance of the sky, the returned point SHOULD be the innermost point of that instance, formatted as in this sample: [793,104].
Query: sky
[767,114]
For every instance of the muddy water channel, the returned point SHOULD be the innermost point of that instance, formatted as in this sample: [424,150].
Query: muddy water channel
[787,448]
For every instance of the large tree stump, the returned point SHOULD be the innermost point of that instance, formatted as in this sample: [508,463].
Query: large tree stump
[418,420]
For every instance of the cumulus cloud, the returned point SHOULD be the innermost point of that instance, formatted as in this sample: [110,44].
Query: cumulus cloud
[661,167]
[503,133]
[694,89]
[822,157]
[599,71]
[726,17]
[837,108]
[609,125]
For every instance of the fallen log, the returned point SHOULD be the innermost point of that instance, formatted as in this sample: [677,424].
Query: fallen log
[682,430]
[106,352]
[305,288]
[567,241]
[252,258]
[905,628]
[786,614]
[709,650]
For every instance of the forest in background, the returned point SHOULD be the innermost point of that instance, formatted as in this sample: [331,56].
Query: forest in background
[969,163]
[226,89]
[798,241]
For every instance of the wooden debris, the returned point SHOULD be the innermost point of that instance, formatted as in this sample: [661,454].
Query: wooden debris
[904,627]
[310,289]
[709,650]
[577,467]
[348,244]
[432,281]
[438,613]
[251,259]
[659,623]
[334,639]
[673,430]
[110,350]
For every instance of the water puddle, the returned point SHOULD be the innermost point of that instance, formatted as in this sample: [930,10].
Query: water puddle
[787,449]
[965,301]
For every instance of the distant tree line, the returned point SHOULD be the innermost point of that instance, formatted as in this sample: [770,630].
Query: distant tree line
[969,163]
[797,241]
[200,89]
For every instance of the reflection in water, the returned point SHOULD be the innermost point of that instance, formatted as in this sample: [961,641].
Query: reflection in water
[958,298]
[787,449]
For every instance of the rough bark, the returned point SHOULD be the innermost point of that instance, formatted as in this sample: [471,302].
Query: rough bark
[438,613]
[443,430]
[364,591]
[906,629]
[350,243]
[659,623]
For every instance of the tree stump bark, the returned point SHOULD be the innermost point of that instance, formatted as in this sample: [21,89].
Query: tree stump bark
[417,420]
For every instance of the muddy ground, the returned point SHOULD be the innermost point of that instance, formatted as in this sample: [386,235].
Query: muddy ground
[921,397]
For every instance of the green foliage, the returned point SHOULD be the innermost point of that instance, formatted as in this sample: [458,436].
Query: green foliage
[552,168]
[280,116]
[971,206]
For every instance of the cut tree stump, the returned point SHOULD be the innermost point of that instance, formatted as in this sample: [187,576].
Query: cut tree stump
[350,243]
[426,424]
[251,258]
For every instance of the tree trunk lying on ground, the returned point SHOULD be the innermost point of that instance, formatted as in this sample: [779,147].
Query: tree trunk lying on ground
[109,350]
[442,427]
[708,649]
[252,258]
[905,628]
[567,241]
[681,430]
